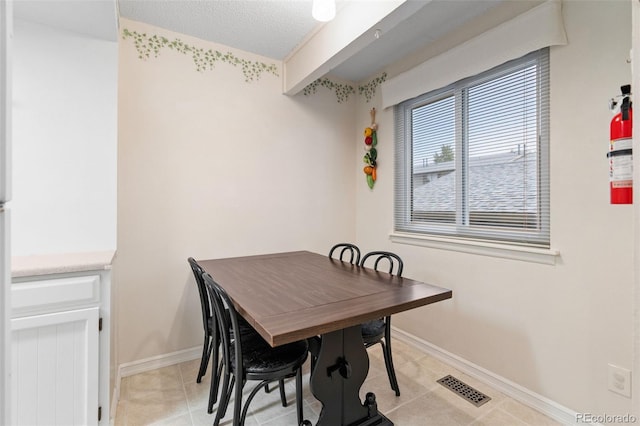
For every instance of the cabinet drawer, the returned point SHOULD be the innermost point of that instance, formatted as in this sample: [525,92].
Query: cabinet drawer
[34,297]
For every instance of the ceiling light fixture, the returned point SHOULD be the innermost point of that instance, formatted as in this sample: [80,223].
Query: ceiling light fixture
[323,10]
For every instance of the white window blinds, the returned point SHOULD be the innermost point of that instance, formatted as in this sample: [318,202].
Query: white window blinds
[472,158]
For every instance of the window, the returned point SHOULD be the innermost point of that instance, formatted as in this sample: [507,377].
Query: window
[472,158]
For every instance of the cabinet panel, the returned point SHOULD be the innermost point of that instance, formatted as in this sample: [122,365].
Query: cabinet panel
[55,357]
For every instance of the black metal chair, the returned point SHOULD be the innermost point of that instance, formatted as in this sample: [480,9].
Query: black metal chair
[349,248]
[208,321]
[249,357]
[379,331]
[212,337]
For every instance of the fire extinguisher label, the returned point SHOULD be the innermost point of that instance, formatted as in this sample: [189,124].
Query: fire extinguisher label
[622,172]
[621,163]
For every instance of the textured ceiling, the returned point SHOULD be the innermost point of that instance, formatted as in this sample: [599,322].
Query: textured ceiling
[271,28]
[274,28]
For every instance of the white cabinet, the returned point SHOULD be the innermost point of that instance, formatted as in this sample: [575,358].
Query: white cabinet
[60,349]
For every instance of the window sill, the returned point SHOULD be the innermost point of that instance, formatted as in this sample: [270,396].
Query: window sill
[526,254]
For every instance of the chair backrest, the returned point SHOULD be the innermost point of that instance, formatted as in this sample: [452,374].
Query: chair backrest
[343,248]
[227,319]
[207,311]
[393,259]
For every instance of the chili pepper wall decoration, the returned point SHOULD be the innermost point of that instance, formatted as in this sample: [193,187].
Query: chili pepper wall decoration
[371,157]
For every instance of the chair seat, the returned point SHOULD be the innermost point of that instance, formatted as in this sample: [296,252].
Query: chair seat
[372,331]
[261,360]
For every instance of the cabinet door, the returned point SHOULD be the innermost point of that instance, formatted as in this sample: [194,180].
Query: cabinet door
[55,368]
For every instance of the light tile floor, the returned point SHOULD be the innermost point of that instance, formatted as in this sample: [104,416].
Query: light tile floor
[171,396]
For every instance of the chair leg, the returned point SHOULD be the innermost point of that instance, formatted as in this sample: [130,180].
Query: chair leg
[204,361]
[388,362]
[226,389]
[299,395]
[216,370]
[237,405]
[283,397]
[215,385]
[225,396]
[253,393]
[223,408]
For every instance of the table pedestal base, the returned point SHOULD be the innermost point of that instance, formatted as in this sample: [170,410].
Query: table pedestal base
[339,372]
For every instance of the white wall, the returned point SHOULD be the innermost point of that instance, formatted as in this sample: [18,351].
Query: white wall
[212,166]
[551,329]
[64,141]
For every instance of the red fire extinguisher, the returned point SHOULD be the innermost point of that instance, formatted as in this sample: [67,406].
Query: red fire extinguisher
[620,151]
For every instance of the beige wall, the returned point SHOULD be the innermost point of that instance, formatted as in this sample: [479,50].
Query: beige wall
[209,166]
[551,329]
[212,166]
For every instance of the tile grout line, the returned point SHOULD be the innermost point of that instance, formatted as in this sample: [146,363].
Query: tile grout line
[184,391]
[497,407]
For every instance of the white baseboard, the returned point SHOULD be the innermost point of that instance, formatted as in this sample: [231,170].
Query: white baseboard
[513,390]
[148,364]
[159,361]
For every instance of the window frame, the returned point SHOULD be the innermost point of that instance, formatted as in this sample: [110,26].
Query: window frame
[404,222]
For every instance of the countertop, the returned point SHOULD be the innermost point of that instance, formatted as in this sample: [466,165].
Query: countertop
[26,266]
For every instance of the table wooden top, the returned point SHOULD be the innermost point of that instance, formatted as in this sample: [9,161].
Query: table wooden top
[296,295]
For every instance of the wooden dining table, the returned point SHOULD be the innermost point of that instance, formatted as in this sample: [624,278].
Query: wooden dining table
[301,295]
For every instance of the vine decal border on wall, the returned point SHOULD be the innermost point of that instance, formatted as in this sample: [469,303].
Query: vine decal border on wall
[343,91]
[148,45]
[369,89]
[203,59]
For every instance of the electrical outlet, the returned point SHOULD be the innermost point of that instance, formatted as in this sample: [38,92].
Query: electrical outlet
[619,380]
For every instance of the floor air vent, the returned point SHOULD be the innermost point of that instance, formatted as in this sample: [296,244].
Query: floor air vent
[462,389]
